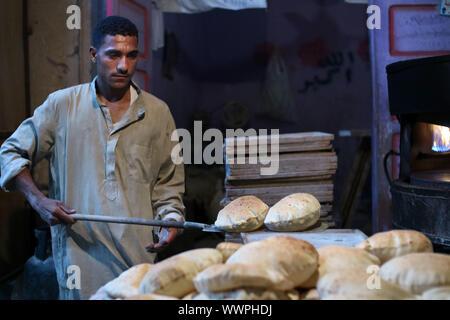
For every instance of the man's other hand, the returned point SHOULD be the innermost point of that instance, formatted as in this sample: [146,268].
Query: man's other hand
[166,236]
[54,212]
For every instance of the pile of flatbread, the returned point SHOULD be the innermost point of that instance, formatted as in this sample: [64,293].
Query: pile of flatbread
[265,270]
[295,212]
[393,265]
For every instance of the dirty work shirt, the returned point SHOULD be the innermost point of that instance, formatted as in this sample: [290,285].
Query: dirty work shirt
[97,167]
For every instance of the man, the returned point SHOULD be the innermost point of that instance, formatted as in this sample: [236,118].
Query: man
[109,147]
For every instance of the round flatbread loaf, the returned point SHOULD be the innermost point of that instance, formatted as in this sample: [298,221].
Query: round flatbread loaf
[190,296]
[310,294]
[396,243]
[418,272]
[353,297]
[294,258]
[248,294]
[224,277]
[128,282]
[228,248]
[296,212]
[360,285]
[174,276]
[311,283]
[339,258]
[101,295]
[150,296]
[439,293]
[243,214]
[171,277]
[203,257]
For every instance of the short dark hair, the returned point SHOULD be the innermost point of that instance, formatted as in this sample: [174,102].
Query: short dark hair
[111,26]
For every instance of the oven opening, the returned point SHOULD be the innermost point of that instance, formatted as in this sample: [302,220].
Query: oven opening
[441,138]
[430,148]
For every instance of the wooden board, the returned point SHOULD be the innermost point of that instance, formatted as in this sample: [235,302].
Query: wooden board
[305,167]
[287,143]
[327,217]
[319,239]
[295,174]
[274,198]
[276,181]
[280,190]
[283,168]
[325,209]
[291,159]
[286,138]
[280,183]
[231,151]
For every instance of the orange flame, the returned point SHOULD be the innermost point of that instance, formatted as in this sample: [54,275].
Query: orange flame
[441,138]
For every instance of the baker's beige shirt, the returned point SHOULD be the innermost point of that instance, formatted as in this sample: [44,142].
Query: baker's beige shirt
[97,167]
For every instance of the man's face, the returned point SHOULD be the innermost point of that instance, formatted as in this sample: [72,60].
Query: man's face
[116,60]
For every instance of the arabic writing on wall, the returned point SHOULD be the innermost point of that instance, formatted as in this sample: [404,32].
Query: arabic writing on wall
[329,64]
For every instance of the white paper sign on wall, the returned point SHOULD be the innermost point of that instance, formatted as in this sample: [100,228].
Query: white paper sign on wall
[444,8]
[195,6]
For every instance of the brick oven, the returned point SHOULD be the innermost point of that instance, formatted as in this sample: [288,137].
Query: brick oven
[419,96]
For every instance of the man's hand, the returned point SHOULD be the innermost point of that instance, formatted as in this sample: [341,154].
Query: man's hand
[166,236]
[53,212]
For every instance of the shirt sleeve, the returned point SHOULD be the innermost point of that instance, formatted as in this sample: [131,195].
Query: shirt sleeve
[167,195]
[30,143]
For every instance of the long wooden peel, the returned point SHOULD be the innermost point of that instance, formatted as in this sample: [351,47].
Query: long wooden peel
[147,222]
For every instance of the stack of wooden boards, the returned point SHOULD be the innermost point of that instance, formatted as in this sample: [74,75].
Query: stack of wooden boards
[307,163]
[393,265]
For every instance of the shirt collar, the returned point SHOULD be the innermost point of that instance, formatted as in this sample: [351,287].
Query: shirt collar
[133,94]
[136,96]
[136,101]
